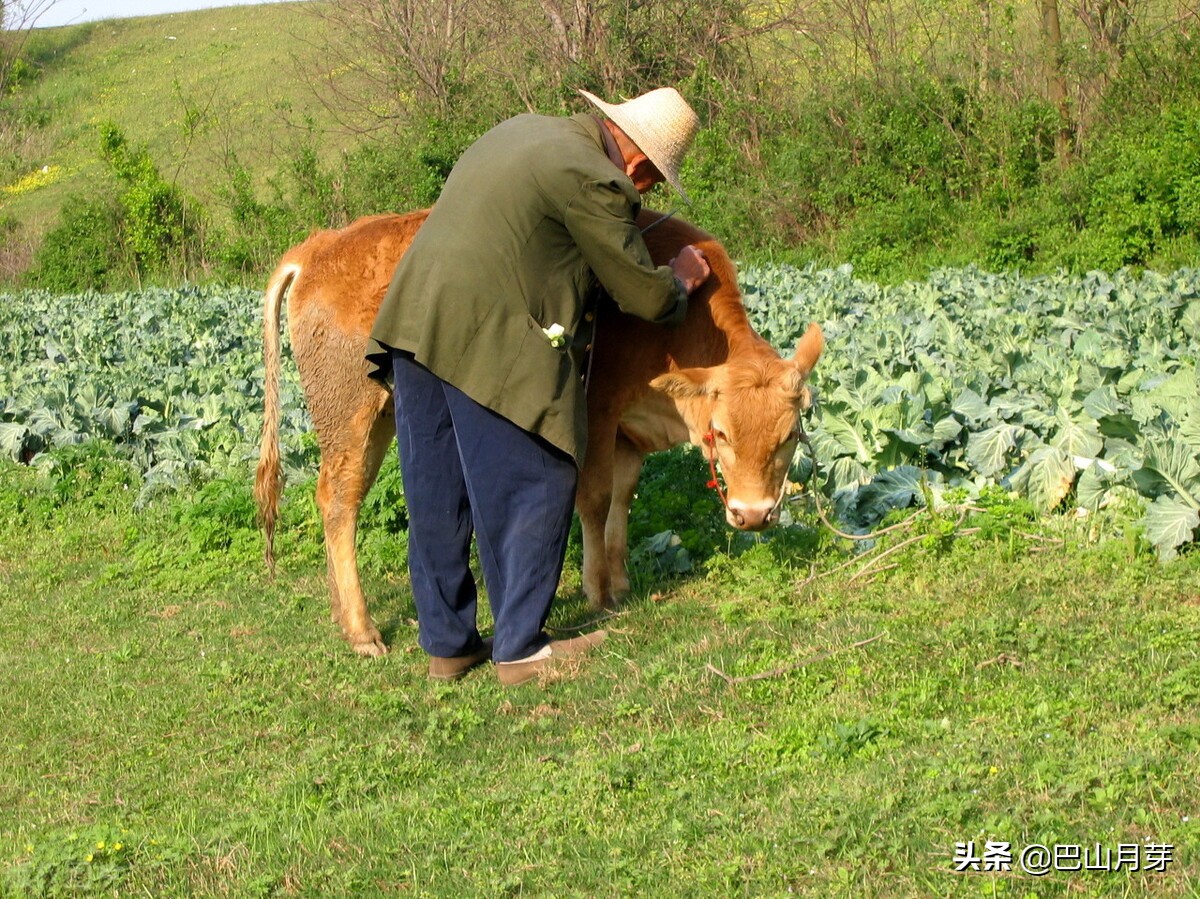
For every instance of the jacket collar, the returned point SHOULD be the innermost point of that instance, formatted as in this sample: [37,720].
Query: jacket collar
[604,139]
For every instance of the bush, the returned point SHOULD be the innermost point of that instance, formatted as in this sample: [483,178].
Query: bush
[881,172]
[1028,234]
[378,179]
[261,230]
[92,472]
[141,227]
[407,171]
[1144,191]
[217,513]
[81,252]
[906,168]
[158,224]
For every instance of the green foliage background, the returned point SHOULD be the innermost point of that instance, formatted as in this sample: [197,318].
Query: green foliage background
[915,162]
[777,714]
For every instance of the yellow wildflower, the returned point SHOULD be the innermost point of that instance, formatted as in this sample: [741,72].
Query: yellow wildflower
[42,177]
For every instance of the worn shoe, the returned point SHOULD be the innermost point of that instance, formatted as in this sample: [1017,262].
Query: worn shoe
[453,668]
[551,656]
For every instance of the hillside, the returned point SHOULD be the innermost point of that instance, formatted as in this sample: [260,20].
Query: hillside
[194,87]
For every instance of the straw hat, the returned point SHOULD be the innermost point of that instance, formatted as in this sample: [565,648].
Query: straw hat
[661,123]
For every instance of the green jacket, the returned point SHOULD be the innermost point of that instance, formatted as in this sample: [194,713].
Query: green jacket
[532,216]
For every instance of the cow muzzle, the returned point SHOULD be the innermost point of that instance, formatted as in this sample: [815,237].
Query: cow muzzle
[751,516]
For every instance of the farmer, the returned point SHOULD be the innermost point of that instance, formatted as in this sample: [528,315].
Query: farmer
[485,331]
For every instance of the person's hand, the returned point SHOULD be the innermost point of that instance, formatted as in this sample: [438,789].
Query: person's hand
[690,267]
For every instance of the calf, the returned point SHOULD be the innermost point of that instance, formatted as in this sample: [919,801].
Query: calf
[711,380]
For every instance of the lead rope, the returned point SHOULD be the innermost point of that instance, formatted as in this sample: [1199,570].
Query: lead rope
[815,493]
[658,221]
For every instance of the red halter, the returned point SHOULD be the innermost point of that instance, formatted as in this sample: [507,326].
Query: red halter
[710,443]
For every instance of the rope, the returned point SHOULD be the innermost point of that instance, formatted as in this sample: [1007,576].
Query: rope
[815,493]
[658,221]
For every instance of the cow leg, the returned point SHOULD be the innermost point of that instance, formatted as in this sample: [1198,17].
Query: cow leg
[593,497]
[347,473]
[626,466]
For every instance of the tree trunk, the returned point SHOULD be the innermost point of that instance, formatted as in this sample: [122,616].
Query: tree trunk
[1056,79]
[985,50]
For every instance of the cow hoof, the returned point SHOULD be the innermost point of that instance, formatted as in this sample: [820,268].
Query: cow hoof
[371,646]
[611,604]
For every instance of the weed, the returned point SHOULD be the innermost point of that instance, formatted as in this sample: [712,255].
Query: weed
[216,514]
[384,507]
[91,473]
[849,739]
[88,860]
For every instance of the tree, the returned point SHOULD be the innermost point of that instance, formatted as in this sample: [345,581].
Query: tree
[1056,78]
[387,63]
[394,62]
[1107,23]
[17,19]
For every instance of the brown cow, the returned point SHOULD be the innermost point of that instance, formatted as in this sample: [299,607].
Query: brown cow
[710,380]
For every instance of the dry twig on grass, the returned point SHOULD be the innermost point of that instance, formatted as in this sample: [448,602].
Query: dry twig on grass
[776,672]
[1003,659]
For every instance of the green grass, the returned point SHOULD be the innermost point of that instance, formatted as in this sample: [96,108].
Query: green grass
[190,86]
[175,724]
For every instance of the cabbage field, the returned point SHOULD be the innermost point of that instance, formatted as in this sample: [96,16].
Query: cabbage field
[1074,392]
[173,377]
[1078,393]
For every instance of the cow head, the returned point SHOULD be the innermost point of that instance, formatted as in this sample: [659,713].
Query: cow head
[745,414]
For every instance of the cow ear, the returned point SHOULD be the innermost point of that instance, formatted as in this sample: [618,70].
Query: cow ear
[808,349]
[683,384]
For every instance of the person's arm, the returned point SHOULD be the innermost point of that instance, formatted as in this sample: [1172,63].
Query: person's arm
[599,219]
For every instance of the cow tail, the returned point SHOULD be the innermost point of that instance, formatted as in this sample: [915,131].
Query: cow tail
[268,480]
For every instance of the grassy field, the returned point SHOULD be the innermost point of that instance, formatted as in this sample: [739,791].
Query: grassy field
[175,724]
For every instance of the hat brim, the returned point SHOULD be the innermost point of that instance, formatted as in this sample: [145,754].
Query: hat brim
[644,140]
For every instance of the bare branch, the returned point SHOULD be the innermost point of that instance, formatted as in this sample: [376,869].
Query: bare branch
[787,669]
[17,20]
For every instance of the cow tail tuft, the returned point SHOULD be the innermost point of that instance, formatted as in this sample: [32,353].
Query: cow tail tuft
[268,480]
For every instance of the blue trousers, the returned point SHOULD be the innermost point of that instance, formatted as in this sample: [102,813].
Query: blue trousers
[467,471]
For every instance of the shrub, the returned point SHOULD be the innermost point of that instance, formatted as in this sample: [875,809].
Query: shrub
[81,252]
[158,223]
[1144,190]
[260,232]
[378,179]
[91,472]
[139,227]
[880,172]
